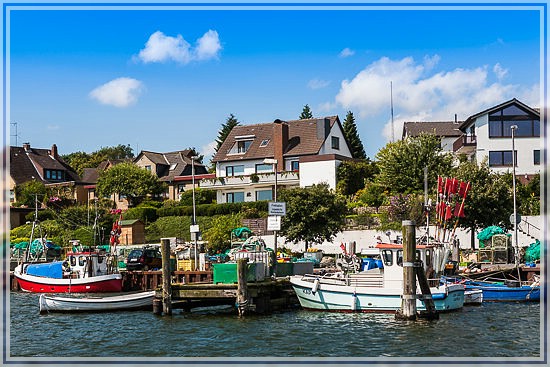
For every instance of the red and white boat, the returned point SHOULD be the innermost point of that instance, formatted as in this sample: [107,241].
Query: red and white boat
[81,272]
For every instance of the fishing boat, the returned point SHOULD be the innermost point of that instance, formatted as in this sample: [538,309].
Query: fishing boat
[83,271]
[373,290]
[506,290]
[132,301]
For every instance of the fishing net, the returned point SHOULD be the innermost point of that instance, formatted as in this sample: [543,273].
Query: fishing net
[485,236]
[532,253]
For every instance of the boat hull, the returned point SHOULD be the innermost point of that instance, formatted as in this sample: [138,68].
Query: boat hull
[97,284]
[332,297]
[135,301]
[503,293]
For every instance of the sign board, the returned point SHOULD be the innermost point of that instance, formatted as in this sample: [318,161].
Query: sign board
[277,208]
[194,228]
[274,223]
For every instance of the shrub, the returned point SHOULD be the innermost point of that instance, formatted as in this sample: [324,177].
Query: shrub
[145,214]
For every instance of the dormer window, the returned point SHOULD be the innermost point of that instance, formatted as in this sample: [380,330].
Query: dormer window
[264,143]
[54,175]
[240,147]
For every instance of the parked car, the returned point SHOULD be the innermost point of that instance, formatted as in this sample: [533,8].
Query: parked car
[144,259]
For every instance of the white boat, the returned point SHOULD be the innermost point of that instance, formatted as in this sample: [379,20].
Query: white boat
[131,301]
[473,297]
[373,290]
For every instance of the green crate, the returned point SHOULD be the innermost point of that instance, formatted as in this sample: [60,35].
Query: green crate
[226,273]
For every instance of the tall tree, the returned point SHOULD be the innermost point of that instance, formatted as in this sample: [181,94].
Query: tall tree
[80,160]
[129,180]
[489,200]
[352,175]
[226,128]
[313,214]
[352,137]
[306,113]
[401,164]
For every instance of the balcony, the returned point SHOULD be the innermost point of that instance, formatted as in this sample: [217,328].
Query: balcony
[466,144]
[283,179]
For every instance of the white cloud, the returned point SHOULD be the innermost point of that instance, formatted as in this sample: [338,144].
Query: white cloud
[162,48]
[208,46]
[120,92]
[346,52]
[53,127]
[317,84]
[499,71]
[420,95]
[209,150]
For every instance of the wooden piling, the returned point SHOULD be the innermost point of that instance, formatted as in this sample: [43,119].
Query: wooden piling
[430,313]
[242,288]
[166,277]
[408,299]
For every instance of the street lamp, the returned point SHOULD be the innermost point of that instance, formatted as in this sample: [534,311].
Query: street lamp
[196,233]
[274,163]
[514,127]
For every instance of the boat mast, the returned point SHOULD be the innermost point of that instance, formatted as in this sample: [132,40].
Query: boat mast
[35,223]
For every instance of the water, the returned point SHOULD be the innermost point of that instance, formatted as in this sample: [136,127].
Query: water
[490,330]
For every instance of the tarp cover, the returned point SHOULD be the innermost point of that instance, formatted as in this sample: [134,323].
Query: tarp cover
[487,233]
[48,270]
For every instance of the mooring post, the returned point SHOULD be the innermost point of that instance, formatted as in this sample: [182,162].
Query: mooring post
[242,288]
[430,313]
[166,277]
[408,299]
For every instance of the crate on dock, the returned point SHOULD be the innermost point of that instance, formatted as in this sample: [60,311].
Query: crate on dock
[186,265]
[226,273]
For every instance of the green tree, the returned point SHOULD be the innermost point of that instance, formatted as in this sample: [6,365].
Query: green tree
[80,160]
[528,196]
[218,234]
[489,201]
[306,113]
[352,137]
[129,180]
[352,175]
[226,128]
[28,191]
[372,195]
[313,214]
[401,164]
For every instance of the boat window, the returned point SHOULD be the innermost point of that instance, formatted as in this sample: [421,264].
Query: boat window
[73,261]
[100,259]
[400,257]
[387,256]
[81,261]
[428,257]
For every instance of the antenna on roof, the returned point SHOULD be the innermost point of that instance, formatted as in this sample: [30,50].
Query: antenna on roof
[391,105]
[15,135]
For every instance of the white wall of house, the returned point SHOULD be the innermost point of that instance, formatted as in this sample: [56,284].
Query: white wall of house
[343,147]
[318,172]
[525,147]
[447,143]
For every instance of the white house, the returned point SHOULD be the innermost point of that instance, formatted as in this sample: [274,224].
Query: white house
[488,135]
[301,152]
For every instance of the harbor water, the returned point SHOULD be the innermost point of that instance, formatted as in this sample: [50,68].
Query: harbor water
[502,330]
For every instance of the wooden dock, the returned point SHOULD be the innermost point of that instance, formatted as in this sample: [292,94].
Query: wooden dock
[265,296]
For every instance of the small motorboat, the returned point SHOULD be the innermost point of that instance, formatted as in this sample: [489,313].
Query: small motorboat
[130,301]
[473,297]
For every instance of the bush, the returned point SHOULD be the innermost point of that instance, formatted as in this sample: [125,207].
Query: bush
[145,214]
[44,214]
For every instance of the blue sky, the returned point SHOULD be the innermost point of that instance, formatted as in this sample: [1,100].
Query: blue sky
[166,80]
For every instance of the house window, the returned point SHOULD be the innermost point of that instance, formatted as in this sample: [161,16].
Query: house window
[53,175]
[12,196]
[240,147]
[264,143]
[295,166]
[148,168]
[536,157]
[235,197]
[335,142]
[502,158]
[264,195]
[121,197]
[264,168]
[234,170]
[501,122]
[181,188]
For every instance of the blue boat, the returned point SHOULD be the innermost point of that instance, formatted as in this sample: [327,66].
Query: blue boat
[506,291]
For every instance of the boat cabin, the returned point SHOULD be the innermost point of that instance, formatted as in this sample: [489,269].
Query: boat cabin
[86,264]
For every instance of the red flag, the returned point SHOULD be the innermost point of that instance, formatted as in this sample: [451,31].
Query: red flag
[439,184]
[343,247]
[462,188]
[459,210]
[448,212]
[454,186]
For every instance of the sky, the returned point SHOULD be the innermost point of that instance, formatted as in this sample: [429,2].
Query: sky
[167,79]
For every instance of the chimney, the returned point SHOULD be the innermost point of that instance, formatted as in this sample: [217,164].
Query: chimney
[53,152]
[280,142]
[27,147]
[456,119]
[323,128]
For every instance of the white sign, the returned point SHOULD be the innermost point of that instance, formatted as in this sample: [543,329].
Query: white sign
[194,228]
[274,223]
[277,208]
